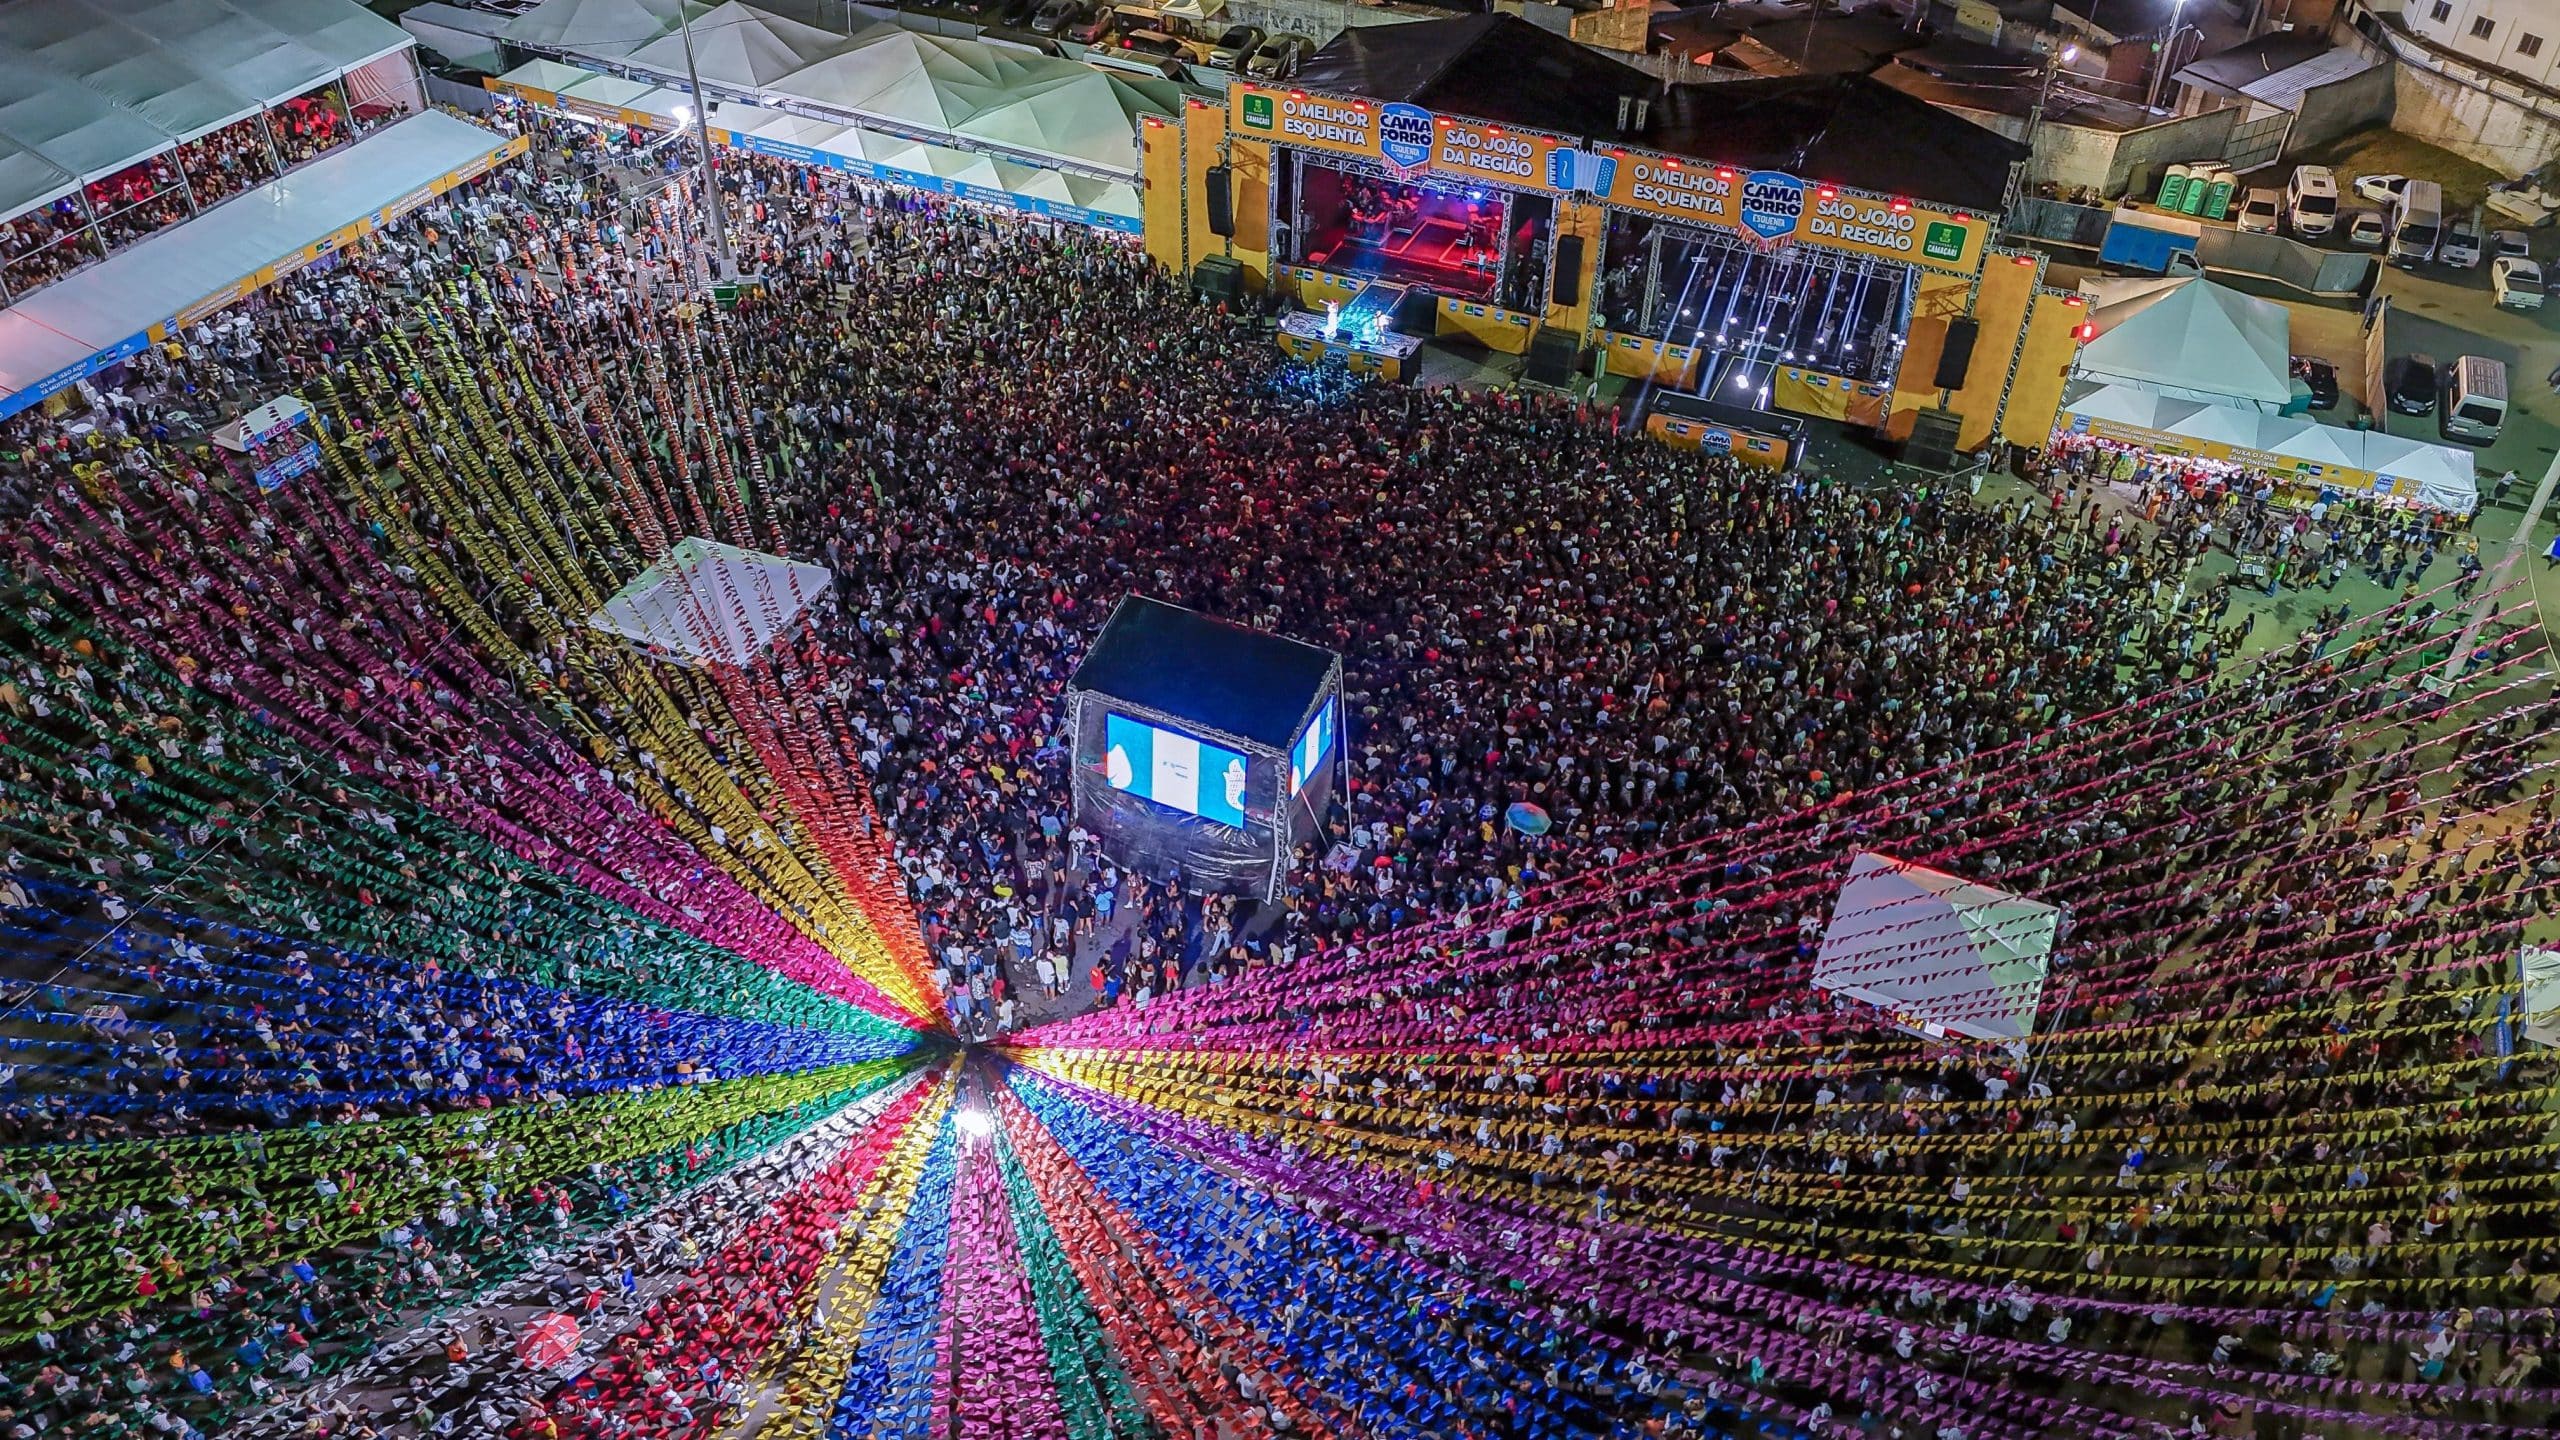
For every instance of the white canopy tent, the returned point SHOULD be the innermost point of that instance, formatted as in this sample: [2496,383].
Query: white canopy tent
[467,37]
[2445,476]
[2195,340]
[741,46]
[905,78]
[92,87]
[79,324]
[2537,1008]
[1939,953]
[704,601]
[966,95]
[28,180]
[607,28]
[2354,461]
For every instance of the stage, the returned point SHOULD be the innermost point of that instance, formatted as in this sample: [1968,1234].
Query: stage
[1355,334]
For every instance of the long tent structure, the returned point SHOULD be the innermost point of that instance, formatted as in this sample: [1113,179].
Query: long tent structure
[1027,109]
[94,86]
[2441,477]
[2195,340]
[106,313]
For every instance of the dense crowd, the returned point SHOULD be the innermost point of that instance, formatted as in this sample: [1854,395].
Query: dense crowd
[1460,1076]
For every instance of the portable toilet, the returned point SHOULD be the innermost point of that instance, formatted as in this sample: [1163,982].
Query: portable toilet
[2173,187]
[2219,192]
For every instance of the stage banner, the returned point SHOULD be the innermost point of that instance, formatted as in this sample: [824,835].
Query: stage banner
[1831,397]
[1409,140]
[1775,208]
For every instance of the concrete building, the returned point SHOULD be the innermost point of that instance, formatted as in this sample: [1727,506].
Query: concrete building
[2478,77]
[2521,37]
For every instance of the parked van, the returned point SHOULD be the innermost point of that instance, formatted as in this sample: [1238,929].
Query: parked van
[2417,223]
[2311,200]
[2475,399]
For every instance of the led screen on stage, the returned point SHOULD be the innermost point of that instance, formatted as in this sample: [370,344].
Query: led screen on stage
[1307,756]
[1192,776]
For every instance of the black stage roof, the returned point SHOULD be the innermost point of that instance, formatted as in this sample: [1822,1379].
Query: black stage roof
[1847,129]
[1215,673]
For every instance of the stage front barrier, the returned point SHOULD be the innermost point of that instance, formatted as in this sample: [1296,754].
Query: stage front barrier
[1830,397]
[1641,357]
[1769,452]
[1495,328]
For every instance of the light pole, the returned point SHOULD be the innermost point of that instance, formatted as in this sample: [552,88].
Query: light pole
[2054,60]
[2169,52]
[701,108]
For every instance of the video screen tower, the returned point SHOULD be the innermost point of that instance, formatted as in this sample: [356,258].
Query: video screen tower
[1203,746]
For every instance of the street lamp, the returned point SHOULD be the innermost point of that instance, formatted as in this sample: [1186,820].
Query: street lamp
[702,136]
[2169,51]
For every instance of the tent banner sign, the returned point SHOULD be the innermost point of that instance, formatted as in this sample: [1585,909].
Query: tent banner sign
[1409,140]
[1776,208]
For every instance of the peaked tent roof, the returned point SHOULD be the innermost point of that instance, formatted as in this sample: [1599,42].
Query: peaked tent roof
[740,45]
[27,179]
[2198,341]
[599,27]
[705,601]
[902,76]
[1937,949]
[1075,117]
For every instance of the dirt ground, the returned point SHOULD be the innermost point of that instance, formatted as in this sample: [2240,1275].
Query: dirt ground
[2386,152]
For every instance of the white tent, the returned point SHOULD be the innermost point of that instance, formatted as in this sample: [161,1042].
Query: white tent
[2445,476]
[741,46]
[1086,117]
[28,180]
[705,601]
[2537,1008]
[1939,953]
[609,28]
[2302,438]
[908,79]
[545,77]
[107,309]
[2197,341]
[465,36]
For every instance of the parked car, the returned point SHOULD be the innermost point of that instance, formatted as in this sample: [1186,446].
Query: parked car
[1054,17]
[2260,212]
[1150,42]
[2412,388]
[1235,46]
[2381,189]
[2511,242]
[1014,14]
[2461,246]
[1094,26]
[2517,282]
[2365,229]
[2320,378]
[1279,57]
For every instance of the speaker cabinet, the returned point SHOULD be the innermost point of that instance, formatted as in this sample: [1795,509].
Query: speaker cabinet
[1552,357]
[1222,203]
[1957,357]
[1568,287]
[1932,445]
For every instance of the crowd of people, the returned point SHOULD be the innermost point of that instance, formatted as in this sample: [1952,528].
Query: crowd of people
[325,812]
